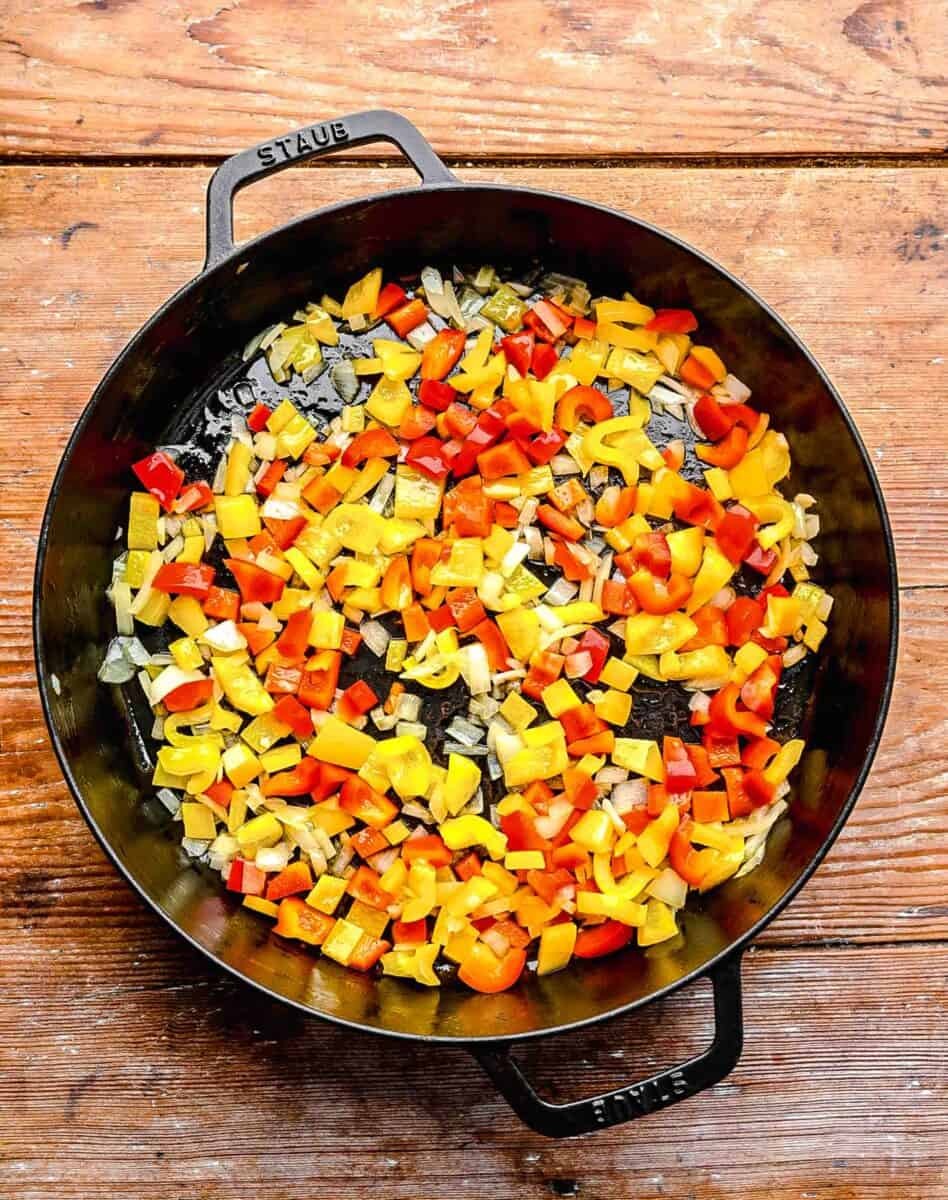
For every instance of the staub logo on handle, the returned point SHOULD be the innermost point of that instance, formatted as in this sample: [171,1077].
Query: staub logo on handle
[295,145]
[641,1099]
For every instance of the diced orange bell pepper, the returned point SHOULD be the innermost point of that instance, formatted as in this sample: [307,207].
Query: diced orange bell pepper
[298,920]
[371,443]
[294,878]
[441,353]
[364,886]
[483,971]
[396,584]
[223,604]
[364,802]
[582,401]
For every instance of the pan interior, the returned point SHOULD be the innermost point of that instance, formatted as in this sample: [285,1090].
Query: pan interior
[178,383]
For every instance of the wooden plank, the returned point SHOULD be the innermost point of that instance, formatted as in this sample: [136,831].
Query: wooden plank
[59,272]
[525,78]
[146,1076]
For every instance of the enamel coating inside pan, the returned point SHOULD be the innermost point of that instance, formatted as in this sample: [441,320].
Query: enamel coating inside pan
[156,392]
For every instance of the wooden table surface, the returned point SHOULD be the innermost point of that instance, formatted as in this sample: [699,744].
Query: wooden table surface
[804,147]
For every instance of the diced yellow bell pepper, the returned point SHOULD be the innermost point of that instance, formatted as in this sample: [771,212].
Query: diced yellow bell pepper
[653,842]
[715,571]
[708,358]
[559,698]
[618,674]
[586,361]
[281,416]
[488,377]
[407,764]
[783,617]
[241,765]
[614,707]
[505,881]
[193,549]
[646,633]
[264,731]
[340,744]
[237,810]
[524,860]
[640,371]
[814,633]
[399,360]
[363,295]
[556,947]
[241,686]
[222,718]
[370,920]
[515,710]
[422,885]
[615,906]
[327,629]
[200,754]
[479,353]
[355,526]
[155,609]
[541,761]
[622,536]
[723,868]
[237,516]
[784,761]
[594,831]
[398,535]
[136,563]
[686,546]
[746,660]
[389,401]
[281,758]
[710,662]
[417,497]
[258,904]
[304,568]
[525,585]
[641,756]
[394,879]
[237,474]
[660,924]
[198,821]
[628,310]
[413,964]
[264,830]
[470,895]
[463,780]
[366,479]
[672,350]
[628,339]
[186,655]
[353,415]
[342,941]
[716,836]
[464,566]
[330,818]
[579,612]
[143,511]
[461,832]
[521,630]
[718,483]
[396,833]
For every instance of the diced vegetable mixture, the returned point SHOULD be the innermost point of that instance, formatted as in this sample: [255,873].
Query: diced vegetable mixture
[495,525]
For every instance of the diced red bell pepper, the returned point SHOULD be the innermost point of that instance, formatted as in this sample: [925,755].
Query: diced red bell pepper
[726,453]
[408,317]
[189,695]
[581,789]
[371,443]
[760,560]
[582,401]
[658,797]
[728,720]
[723,750]
[416,422]
[541,448]
[738,801]
[429,847]
[545,669]
[759,689]
[468,510]
[615,505]
[459,420]
[184,579]
[735,534]
[468,866]
[351,640]
[680,774]
[245,877]
[505,459]
[758,789]
[581,722]
[329,781]
[259,415]
[672,320]
[696,374]
[743,618]
[597,646]
[289,710]
[556,320]
[263,543]
[410,933]
[285,530]
[195,495]
[617,598]
[489,428]
[483,971]
[223,604]
[220,792]
[658,596]
[651,551]
[602,939]
[572,567]
[560,523]
[257,639]
[294,640]
[544,360]
[427,455]
[371,807]
[396,592]
[392,296]
[704,775]
[465,607]
[758,753]
[692,865]
[584,328]
[319,680]
[441,353]
[552,885]
[254,582]
[518,350]
[712,628]
[294,878]
[697,506]
[161,476]
[493,641]
[424,554]
[713,419]
[271,477]
[364,886]
[356,700]
[434,394]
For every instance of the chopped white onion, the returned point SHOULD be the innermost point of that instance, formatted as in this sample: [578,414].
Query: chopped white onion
[375,636]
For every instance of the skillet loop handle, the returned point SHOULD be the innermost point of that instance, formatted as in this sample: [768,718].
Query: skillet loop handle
[634,1100]
[313,141]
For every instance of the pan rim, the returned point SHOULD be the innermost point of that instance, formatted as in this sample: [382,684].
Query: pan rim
[733,949]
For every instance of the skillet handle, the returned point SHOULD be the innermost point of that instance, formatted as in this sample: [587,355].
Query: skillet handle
[635,1100]
[266,158]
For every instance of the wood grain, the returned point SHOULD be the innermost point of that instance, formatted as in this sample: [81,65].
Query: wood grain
[128,1067]
[526,77]
[150,1077]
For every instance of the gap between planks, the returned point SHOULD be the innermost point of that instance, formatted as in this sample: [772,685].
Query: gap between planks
[716,162]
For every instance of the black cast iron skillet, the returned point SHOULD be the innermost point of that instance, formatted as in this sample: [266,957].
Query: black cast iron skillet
[164,387]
